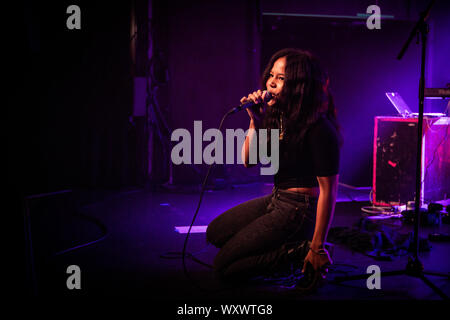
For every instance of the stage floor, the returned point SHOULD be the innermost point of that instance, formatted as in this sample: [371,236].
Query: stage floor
[141,230]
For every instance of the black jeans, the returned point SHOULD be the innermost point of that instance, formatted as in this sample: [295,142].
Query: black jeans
[252,235]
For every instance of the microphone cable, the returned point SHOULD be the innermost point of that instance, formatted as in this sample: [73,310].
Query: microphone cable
[202,191]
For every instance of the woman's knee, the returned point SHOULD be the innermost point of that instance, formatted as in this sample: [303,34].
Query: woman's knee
[213,233]
[210,237]
[221,264]
[224,270]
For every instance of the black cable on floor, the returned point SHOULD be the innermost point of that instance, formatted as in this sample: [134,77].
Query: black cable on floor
[178,255]
[95,221]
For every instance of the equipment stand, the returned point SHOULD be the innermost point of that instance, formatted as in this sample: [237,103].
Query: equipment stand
[414,268]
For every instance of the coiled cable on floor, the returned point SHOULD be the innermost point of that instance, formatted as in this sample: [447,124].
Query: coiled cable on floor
[96,222]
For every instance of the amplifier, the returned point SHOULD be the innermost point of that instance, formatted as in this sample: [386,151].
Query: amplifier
[394,160]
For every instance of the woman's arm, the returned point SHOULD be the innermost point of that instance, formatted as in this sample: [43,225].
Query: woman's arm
[256,116]
[250,139]
[325,211]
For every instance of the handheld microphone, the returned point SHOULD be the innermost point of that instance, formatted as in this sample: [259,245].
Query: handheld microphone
[249,104]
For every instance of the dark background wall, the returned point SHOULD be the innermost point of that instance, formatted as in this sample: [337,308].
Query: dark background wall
[213,54]
[362,65]
[69,113]
[70,118]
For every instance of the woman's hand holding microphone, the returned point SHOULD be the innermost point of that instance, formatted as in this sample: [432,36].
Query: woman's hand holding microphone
[261,99]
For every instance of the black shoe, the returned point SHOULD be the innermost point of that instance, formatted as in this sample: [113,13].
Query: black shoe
[291,257]
[296,253]
[310,280]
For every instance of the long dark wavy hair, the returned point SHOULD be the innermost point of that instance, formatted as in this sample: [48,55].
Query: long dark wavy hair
[304,98]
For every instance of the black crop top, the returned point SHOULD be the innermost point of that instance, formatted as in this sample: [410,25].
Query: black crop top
[319,157]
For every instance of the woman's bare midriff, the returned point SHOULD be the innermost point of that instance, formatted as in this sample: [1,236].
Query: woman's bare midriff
[313,192]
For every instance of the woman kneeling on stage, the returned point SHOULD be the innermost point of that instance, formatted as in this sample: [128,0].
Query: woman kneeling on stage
[289,226]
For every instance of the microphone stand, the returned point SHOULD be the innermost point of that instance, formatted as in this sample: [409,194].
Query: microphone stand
[414,268]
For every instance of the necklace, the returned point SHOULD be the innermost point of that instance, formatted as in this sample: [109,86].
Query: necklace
[281,127]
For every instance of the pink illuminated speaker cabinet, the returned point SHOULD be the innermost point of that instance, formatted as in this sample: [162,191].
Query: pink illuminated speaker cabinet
[394,160]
